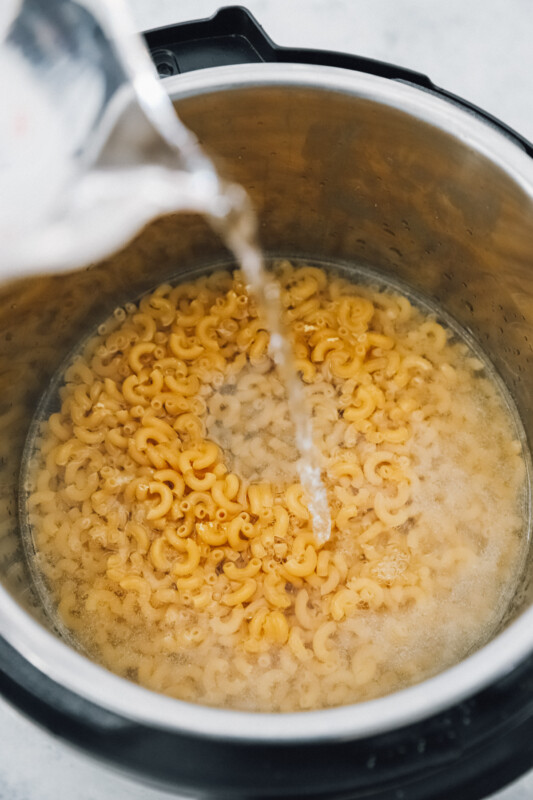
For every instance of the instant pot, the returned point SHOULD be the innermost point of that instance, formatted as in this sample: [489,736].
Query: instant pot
[347,160]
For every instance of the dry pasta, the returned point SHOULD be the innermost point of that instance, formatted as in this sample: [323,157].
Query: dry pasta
[176,539]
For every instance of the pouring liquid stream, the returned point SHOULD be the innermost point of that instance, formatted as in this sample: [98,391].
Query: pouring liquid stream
[237,229]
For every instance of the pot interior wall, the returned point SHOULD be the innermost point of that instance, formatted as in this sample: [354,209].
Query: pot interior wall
[333,177]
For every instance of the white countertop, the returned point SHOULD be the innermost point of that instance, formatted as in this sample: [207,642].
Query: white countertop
[479,49]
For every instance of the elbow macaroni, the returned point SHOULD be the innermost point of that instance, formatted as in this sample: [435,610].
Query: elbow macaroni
[178,541]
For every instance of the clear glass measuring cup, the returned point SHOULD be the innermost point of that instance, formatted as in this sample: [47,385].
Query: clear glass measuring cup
[90,145]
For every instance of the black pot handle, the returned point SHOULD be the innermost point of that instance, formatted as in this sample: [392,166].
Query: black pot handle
[233,36]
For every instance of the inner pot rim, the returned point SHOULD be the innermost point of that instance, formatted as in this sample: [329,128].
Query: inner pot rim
[70,669]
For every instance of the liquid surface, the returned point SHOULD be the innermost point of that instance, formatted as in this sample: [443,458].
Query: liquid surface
[174,534]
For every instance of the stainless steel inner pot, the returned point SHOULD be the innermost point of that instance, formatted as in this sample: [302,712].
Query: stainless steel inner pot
[340,166]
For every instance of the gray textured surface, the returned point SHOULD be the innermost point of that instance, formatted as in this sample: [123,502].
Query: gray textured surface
[480,49]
